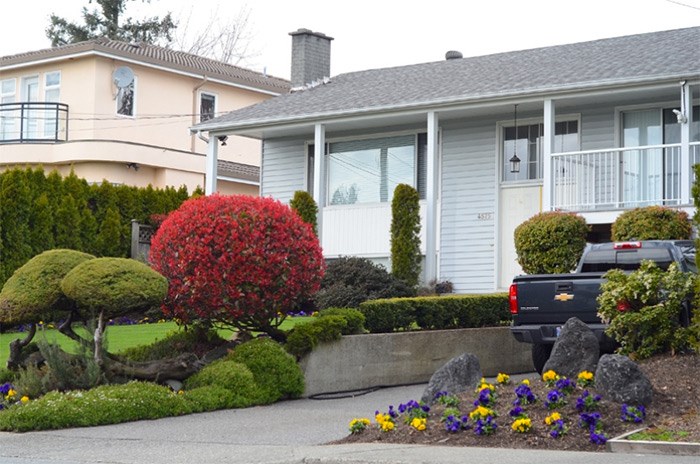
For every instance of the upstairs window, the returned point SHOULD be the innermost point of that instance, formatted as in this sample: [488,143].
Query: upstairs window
[207,106]
[125,99]
[52,94]
[8,89]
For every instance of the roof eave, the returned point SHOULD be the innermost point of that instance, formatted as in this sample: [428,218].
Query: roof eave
[436,105]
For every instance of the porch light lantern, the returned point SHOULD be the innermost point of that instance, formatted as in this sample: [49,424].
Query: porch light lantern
[514,160]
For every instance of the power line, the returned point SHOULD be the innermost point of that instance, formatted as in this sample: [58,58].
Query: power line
[683,4]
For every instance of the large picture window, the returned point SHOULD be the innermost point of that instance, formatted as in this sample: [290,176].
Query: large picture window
[527,144]
[368,171]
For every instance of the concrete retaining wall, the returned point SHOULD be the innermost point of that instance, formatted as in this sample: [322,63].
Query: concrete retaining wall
[369,360]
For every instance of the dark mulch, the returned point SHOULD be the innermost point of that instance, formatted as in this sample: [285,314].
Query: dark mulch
[676,406]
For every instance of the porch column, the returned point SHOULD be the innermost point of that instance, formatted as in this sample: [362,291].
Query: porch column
[686,168]
[319,187]
[431,195]
[210,172]
[547,150]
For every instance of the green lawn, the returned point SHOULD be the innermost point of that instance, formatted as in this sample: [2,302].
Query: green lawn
[119,337]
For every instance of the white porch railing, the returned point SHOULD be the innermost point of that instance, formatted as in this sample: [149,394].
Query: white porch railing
[620,177]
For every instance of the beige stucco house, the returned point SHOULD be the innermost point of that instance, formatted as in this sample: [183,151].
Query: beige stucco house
[121,111]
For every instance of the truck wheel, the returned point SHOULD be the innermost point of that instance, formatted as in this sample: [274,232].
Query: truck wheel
[540,356]
[685,316]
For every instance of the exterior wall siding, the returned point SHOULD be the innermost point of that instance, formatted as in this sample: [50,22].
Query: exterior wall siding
[468,199]
[283,169]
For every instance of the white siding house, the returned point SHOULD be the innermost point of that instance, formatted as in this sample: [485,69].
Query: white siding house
[598,127]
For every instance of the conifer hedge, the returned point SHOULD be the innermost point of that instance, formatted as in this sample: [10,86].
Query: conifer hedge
[39,212]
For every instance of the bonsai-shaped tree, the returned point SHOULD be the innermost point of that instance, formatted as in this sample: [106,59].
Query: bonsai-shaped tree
[33,294]
[237,261]
[110,287]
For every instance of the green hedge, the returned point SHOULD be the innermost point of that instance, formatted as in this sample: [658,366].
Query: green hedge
[330,324]
[41,211]
[435,312]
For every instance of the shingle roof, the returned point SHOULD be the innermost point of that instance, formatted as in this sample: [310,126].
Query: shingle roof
[238,170]
[615,61]
[154,55]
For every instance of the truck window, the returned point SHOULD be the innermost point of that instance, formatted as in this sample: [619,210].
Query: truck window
[627,260]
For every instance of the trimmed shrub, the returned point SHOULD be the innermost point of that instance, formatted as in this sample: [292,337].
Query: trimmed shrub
[306,336]
[34,291]
[447,312]
[305,206]
[108,404]
[232,376]
[237,260]
[405,238]
[551,242]
[330,324]
[355,320]
[350,280]
[275,371]
[114,285]
[212,398]
[652,223]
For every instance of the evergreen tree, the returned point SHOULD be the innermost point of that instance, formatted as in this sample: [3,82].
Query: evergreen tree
[305,206]
[109,238]
[68,224]
[88,230]
[405,230]
[15,206]
[107,21]
[41,225]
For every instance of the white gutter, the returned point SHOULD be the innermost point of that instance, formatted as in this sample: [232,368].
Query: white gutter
[133,61]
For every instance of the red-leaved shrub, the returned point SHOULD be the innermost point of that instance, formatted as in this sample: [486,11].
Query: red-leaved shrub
[236,260]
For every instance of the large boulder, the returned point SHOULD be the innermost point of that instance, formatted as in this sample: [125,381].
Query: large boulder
[620,379]
[576,349]
[459,374]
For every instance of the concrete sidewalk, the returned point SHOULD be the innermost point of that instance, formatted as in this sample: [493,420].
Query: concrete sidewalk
[289,432]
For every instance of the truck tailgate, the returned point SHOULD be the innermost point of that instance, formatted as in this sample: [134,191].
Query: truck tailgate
[555,298]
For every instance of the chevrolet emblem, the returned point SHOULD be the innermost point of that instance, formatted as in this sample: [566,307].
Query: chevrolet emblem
[563,297]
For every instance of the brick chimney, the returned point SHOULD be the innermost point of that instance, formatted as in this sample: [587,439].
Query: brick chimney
[311,56]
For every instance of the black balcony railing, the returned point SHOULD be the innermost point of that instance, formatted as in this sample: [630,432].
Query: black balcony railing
[33,122]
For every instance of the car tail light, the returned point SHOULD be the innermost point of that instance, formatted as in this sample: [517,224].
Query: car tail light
[627,245]
[623,305]
[513,299]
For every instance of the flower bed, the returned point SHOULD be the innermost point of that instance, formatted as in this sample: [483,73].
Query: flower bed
[552,412]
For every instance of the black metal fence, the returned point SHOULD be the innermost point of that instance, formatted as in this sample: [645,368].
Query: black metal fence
[35,122]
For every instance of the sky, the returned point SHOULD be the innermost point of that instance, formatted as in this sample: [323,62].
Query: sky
[379,33]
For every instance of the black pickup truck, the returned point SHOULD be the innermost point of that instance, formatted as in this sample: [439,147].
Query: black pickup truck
[541,304]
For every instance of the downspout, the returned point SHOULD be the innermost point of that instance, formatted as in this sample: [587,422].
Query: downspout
[205,79]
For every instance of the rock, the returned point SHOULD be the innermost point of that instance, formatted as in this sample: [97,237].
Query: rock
[576,349]
[175,385]
[620,379]
[459,374]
